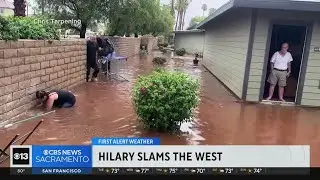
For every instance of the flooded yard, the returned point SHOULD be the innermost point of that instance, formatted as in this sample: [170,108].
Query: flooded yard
[104,109]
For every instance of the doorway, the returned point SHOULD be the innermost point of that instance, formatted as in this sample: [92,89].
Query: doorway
[296,37]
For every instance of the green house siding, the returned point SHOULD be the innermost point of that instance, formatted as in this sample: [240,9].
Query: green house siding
[311,91]
[191,41]
[225,49]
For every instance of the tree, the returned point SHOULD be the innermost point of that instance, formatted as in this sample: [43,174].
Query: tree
[204,8]
[196,20]
[164,23]
[181,8]
[172,10]
[122,17]
[211,11]
[139,17]
[41,5]
[19,7]
[85,11]
[130,16]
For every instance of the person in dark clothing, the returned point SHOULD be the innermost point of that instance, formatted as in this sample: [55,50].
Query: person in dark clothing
[56,98]
[102,46]
[105,48]
[109,50]
[92,49]
[110,46]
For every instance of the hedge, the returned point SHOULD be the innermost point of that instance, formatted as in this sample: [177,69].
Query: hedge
[38,28]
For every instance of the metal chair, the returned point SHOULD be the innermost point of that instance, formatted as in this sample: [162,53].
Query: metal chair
[112,58]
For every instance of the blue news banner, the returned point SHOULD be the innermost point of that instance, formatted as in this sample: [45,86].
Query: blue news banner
[59,159]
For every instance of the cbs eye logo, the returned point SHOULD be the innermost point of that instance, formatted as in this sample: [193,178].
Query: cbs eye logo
[20,156]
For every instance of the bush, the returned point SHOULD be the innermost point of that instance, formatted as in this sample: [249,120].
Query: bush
[165,44]
[164,100]
[161,39]
[14,28]
[8,30]
[181,52]
[159,60]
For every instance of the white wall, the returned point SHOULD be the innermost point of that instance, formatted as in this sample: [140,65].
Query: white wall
[192,42]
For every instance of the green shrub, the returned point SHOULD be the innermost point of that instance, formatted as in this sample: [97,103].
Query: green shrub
[164,100]
[161,39]
[38,28]
[181,52]
[165,44]
[159,60]
[8,30]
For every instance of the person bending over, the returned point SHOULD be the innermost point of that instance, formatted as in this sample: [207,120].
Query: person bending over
[106,49]
[109,50]
[56,98]
[92,49]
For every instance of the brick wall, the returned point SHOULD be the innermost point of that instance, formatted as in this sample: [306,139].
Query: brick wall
[27,66]
[126,46]
[152,42]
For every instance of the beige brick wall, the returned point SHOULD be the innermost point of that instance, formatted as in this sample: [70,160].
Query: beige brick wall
[126,46]
[152,42]
[28,65]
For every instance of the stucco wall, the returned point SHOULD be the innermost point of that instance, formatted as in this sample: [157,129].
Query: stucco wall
[7,12]
[192,42]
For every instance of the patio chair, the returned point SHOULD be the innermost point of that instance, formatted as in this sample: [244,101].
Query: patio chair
[116,59]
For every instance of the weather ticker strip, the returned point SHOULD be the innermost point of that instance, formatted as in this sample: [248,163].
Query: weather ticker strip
[160,171]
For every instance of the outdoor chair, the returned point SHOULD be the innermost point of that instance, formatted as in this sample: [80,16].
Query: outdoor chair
[115,59]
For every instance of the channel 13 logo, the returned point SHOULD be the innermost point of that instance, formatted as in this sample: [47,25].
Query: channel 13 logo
[20,156]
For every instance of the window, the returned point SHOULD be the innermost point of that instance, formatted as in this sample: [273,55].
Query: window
[1,10]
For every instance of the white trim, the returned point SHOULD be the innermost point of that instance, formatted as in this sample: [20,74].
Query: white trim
[302,59]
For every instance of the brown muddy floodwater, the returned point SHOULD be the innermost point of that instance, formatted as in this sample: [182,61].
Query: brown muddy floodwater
[105,110]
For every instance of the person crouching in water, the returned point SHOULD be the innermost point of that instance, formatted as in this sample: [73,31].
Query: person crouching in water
[56,98]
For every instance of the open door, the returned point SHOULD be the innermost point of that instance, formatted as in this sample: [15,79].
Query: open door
[296,37]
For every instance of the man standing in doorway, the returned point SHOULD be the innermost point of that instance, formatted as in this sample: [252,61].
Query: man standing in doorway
[92,49]
[280,71]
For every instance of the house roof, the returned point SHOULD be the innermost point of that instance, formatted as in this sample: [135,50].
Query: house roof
[6,4]
[189,31]
[297,5]
[192,27]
